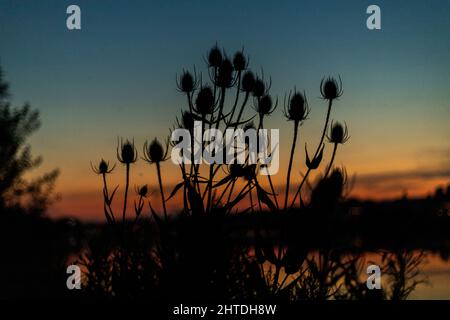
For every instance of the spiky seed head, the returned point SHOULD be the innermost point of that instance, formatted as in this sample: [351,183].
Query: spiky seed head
[298,107]
[205,101]
[248,81]
[225,75]
[187,82]
[338,134]
[265,105]
[103,167]
[330,88]
[239,61]
[215,57]
[259,88]
[155,151]
[128,153]
[143,191]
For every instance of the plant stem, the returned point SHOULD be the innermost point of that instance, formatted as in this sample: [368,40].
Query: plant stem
[330,103]
[127,182]
[251,198]
[158,169]
[261,126]
[288,179]
[331,161]
[107,203]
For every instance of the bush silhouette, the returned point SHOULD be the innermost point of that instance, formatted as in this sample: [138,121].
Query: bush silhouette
[16,125]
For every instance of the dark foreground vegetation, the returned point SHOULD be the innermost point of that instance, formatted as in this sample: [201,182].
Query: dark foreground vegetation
[312,246]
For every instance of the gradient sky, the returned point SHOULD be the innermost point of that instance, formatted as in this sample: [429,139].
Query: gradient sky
[116,77]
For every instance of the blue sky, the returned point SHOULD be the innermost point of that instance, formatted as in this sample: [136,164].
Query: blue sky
[116,76]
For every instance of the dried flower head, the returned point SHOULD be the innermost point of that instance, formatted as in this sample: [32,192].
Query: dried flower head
[102,167]
[204,103]
[187,82]
[239,61]
[296,108]
[259,88]
[126,152]
[154,152]
[225,74]
[248,82]
[338,133]
[330,88]
[215,57]
[142,191]
[265,106]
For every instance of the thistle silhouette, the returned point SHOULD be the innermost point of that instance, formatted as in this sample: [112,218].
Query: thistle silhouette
[154,153]
[127,155]
[212,193]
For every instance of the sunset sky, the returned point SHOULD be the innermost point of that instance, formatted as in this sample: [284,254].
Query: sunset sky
[116,77]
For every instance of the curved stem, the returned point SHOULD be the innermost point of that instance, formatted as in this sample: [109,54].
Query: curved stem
[224,191]
[231,190]
[300,187]
[331,161]
[237,96]
[158,169]
[251,198]
[127,182]
[330,103]
[288,179]
[107,203]
[261,126]
[324,128]
[242,107]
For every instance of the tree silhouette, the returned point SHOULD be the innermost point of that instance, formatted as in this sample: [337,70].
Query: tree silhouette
[16,125]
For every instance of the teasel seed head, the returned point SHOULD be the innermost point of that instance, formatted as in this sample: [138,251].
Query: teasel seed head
[187,82]
[142,191]
[215,57]
[330,88]
[338,133]
[126,152]
[296,108]
[204,103]
[102,167]
[239,61]
[225,74]
[154,152]
[248,82]
[259,88]
[265,106]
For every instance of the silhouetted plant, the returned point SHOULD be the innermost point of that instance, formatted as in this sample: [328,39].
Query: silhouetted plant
[297,111]
[195,253]
[16,125]
[338,135]
[402,267]
[154,153]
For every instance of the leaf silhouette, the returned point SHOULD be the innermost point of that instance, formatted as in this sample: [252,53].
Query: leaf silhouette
[175,190]
[262,195]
